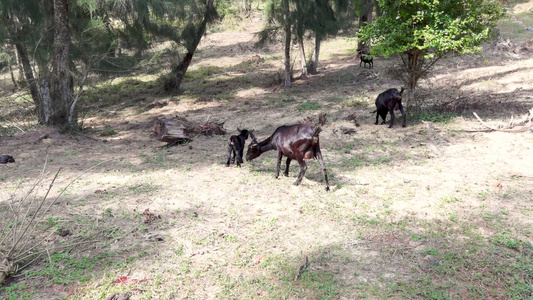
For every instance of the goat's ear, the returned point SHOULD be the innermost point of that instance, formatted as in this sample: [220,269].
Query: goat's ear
[238,129]
[253,146]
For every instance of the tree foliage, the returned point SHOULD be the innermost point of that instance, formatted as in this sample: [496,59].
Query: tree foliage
[92,39]
[307,18]
[423,31]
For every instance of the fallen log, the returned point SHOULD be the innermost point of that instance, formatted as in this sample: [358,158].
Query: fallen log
[180,130]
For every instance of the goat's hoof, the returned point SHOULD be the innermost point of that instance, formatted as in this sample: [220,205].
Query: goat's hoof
[327,189]
[404,125]
[296,183]
[227,165]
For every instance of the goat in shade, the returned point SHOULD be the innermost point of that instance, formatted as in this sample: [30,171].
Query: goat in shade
[298,142]
[389,101]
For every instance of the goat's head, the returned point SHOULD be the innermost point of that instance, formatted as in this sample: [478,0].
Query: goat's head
[254,151]
[243,132]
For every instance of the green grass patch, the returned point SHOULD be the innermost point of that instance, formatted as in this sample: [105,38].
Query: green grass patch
[203,73]
[16,292]
[60,268]
[435,117]
[308,105]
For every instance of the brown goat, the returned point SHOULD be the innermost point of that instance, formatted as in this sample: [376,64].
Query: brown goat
[298,142]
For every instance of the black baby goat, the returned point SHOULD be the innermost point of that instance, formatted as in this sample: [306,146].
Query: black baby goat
[236,146]
[366,58]
[298,142]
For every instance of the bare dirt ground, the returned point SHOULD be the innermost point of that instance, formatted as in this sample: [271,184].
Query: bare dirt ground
[401,198]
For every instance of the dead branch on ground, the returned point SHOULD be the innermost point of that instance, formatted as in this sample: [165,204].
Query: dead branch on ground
[301,268]
[512,126]
[521,128]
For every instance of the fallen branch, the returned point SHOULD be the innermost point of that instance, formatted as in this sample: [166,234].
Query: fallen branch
[301,268]
[516,129]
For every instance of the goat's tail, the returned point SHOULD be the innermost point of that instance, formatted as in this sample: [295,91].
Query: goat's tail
[317,131]
[374,111]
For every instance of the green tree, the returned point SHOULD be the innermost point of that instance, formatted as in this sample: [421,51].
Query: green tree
[423,31]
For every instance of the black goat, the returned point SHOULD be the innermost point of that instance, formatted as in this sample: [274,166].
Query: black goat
[4,159]
[389,101]
[298,142]
[366,58]
[236,146]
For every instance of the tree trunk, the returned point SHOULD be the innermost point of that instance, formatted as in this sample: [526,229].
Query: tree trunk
[180,70]
[61,87]
[19,65]
[302,56]
[12,76]
[286,10]
[365,16]
[47,101]
[30,80]
[314,65]
[413,71]
[246,6]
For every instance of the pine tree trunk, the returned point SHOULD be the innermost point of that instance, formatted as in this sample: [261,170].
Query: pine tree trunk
[46,100]
[30,80]
[246,6]
[302,56]
[12,76]
[286,10]
[180,70]
[19,65]
[314,65]
[61,88]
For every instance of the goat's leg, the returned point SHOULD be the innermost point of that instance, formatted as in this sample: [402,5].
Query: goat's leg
[383,114]
[237,156]
[303,168]
[229,154]
[403,114]
[287,164]
[278,164]
[241,152]
[322,168]
[377,117]
[391,118]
